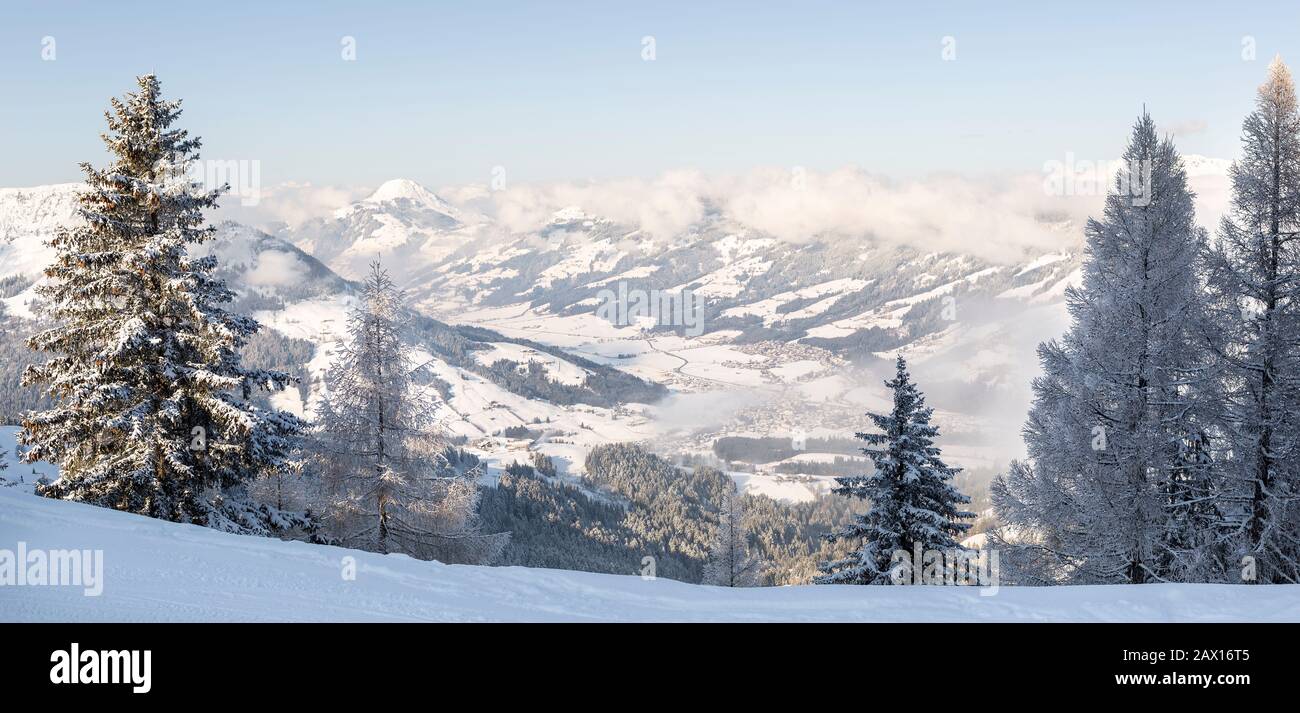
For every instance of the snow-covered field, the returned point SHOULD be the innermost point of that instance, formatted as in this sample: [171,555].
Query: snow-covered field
[160,571]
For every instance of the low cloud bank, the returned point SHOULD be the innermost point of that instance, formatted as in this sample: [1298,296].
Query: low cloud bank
[999,218]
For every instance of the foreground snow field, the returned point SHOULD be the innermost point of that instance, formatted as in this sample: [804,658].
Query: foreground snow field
[160,571]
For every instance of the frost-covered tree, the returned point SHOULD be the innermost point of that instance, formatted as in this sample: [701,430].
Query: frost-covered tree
[913,501]
[154,412]
[731,561]
[386,481]
[1111,492]
[1255,275]
[1192,547]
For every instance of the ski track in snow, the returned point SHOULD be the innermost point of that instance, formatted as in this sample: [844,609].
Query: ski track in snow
[161,571]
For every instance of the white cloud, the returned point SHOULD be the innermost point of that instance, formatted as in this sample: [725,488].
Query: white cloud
[998,217]
[995,217]
[290,203]
[664,206]
[1189,127]
[276,268]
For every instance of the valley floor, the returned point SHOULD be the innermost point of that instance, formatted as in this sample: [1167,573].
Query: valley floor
[160,571]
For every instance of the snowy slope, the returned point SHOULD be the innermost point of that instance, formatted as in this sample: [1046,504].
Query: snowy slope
[16,474]
[160,571]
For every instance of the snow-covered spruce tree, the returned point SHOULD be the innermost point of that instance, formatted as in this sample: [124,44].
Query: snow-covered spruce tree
[913,501]
[387,484]
[154,410]
[1112,491]
[1255,276]
[731,561]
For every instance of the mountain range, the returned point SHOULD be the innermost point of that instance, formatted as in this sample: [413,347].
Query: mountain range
[792,338]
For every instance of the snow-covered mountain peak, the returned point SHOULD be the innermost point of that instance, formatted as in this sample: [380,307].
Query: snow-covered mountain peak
[570,214]
[405,189]
[401,221]
[1197,165]
[405,200]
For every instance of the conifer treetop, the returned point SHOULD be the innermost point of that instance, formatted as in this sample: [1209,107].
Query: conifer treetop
[1279,89]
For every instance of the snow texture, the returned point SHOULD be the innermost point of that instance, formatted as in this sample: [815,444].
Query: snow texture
[161,571]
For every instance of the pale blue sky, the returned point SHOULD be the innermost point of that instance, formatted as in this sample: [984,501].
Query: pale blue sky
[443,92]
